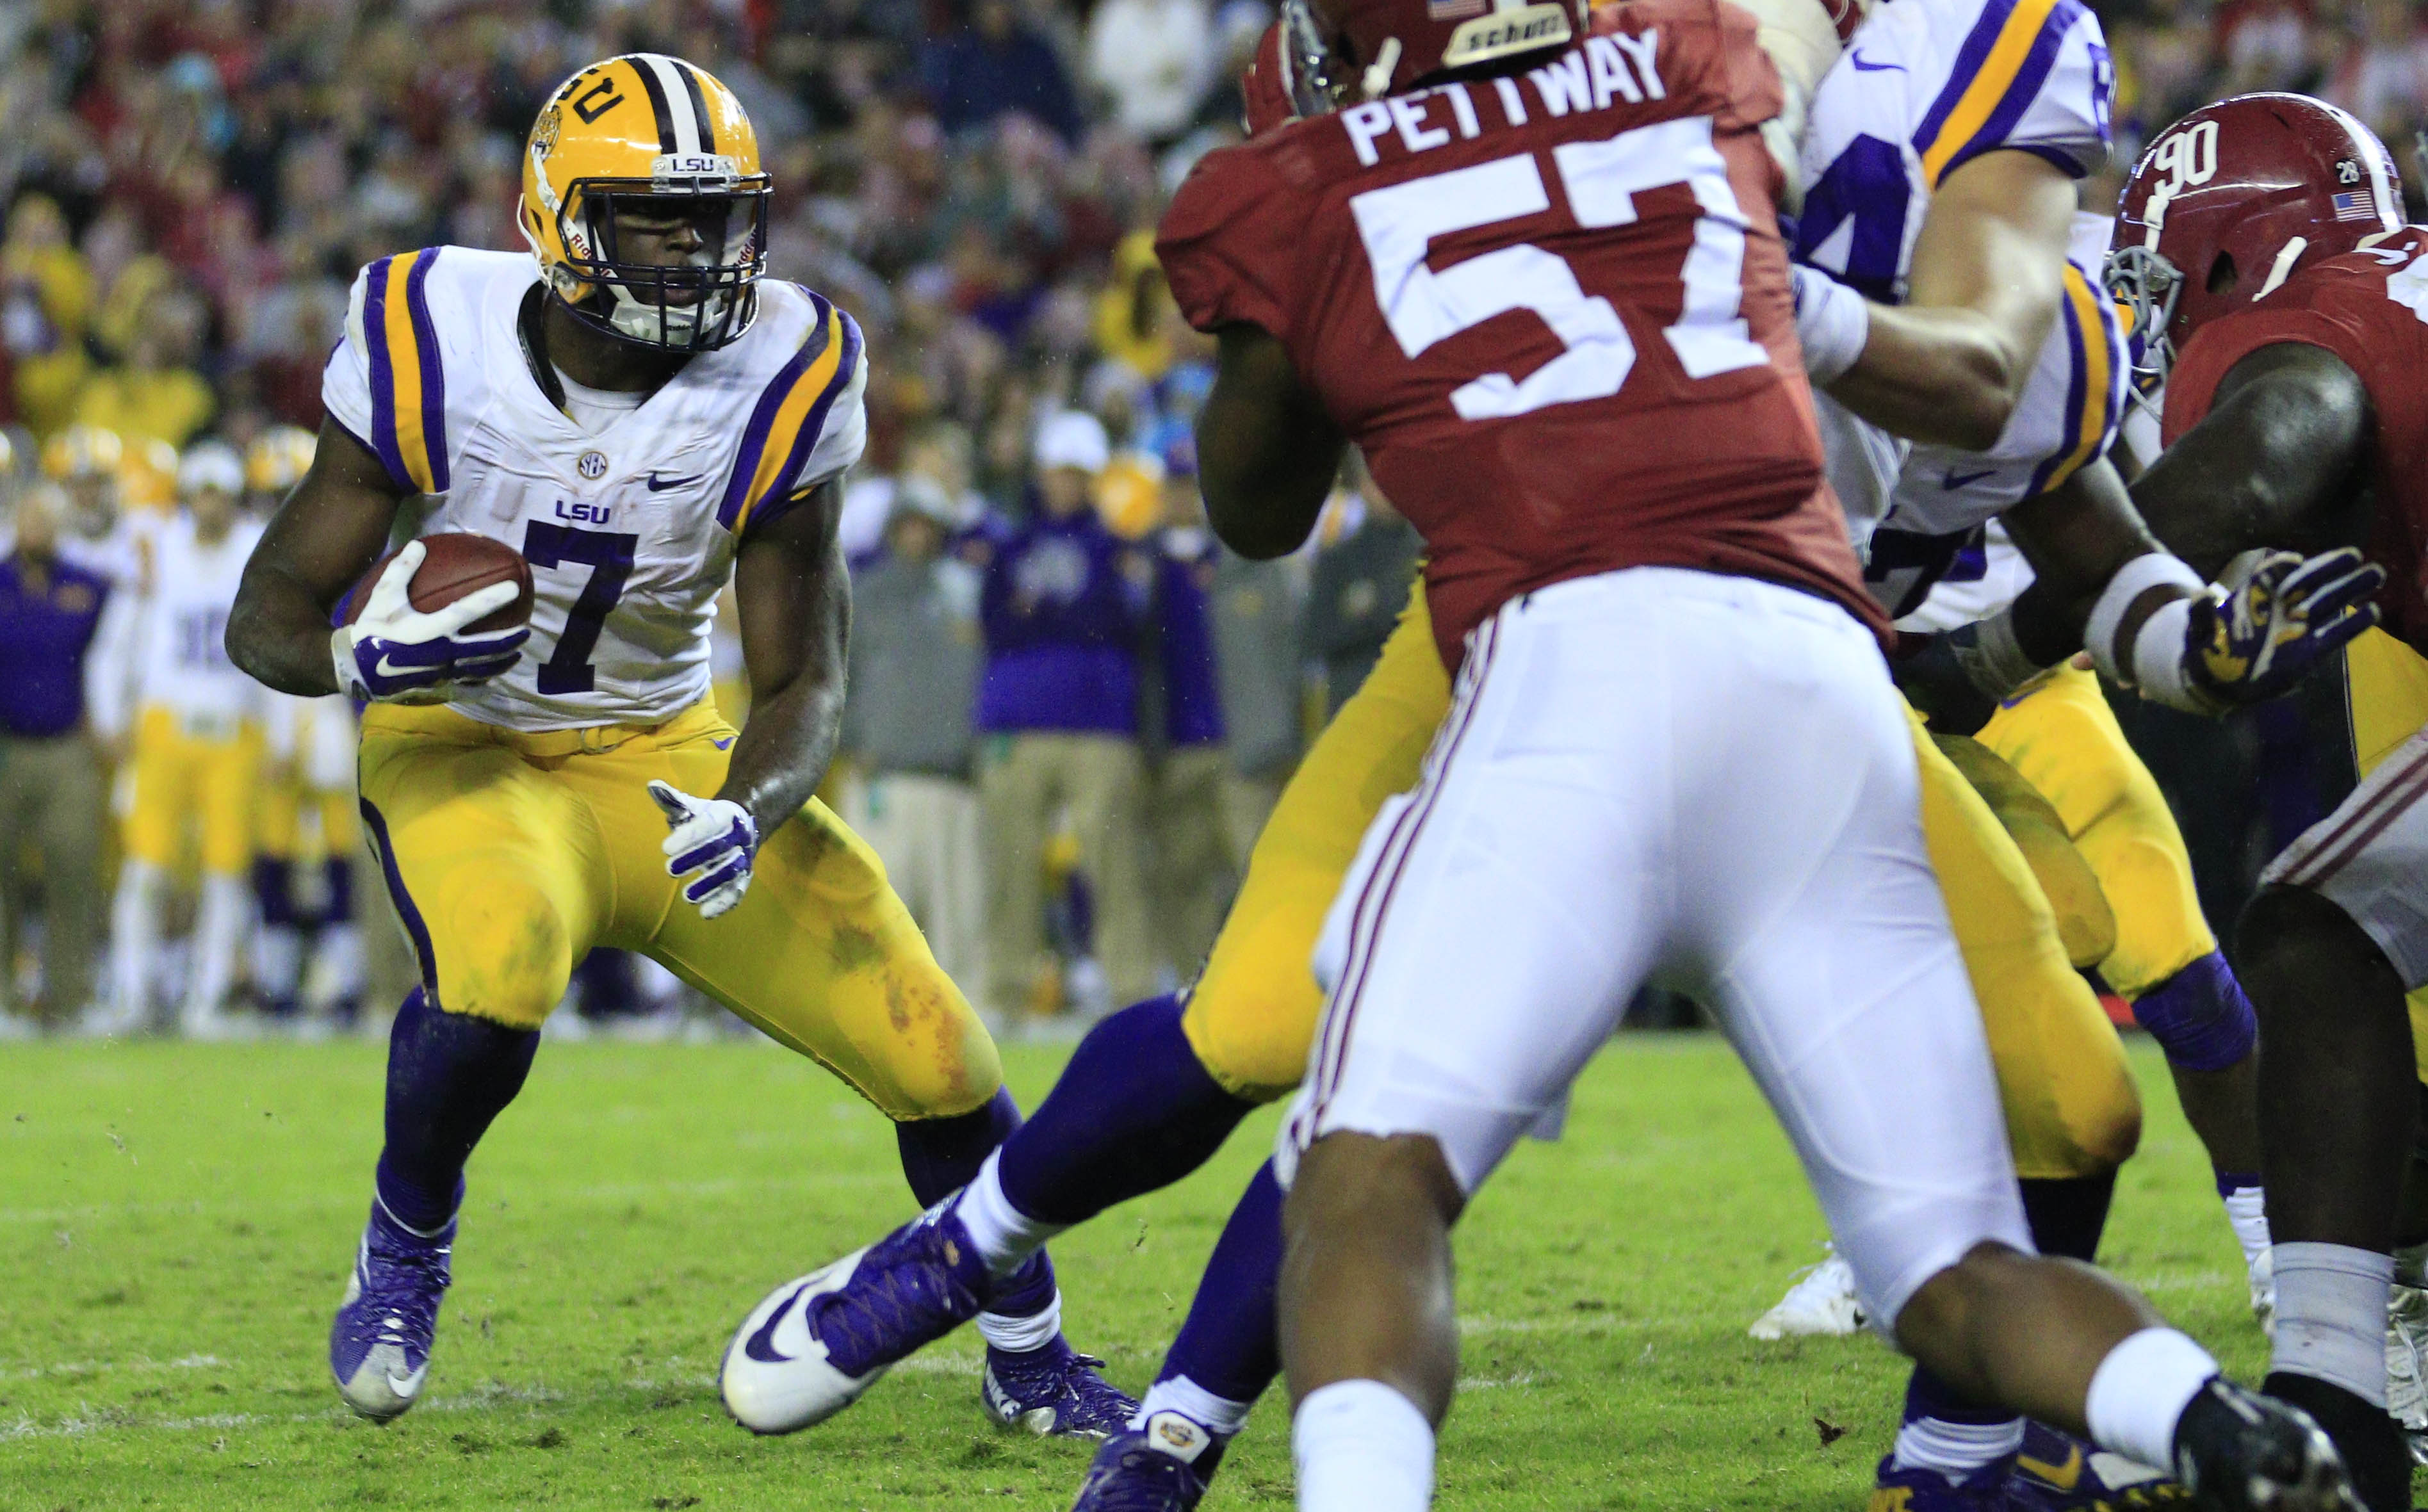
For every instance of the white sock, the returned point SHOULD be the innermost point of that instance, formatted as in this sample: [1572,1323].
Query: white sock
[1362,1447]
[1005,1236]
[1021,1335]
[1956,1450]
[2141,1390]
[2331,1316]
[218,934]
[1218,1415]
[2246,1208]
[277,959]
[135,942]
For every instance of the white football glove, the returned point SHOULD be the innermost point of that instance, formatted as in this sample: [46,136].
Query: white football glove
[712,841]
[394,653]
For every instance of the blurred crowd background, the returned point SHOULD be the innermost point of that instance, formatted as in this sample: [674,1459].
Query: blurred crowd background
[1071,708]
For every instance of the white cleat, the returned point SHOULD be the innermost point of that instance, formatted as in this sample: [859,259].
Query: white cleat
[1821,1302]
[776,1378]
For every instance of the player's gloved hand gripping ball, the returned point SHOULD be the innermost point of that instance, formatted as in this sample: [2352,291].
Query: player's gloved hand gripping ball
[712,841]
[442,611]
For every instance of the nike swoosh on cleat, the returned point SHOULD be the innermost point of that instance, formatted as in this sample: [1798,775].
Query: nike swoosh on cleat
[760,1346]
[407,1386]
[1865,65]
[1953,478]
[658,485]
[2062,1476]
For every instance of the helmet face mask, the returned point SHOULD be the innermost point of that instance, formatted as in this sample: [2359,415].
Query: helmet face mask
[626,273]
[644,201]
[2146,284]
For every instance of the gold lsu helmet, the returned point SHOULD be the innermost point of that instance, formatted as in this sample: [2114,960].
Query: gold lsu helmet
[650,140]
[82,452]
[278,458]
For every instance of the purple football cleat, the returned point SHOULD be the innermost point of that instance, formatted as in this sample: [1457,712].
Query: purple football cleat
[1054,1391]
[1927,1490]
[1163,1466]
[379,1345]
[812,1345]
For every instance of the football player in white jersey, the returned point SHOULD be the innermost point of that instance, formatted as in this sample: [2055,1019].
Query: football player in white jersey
[196,749]
[644,417]
[1949,308]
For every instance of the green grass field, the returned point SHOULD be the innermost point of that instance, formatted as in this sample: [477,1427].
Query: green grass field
[176,1221]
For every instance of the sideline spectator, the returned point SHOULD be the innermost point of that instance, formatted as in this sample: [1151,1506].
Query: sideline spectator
[1360,583]
[1194,867]
[51,778]
[1156,58]
[915,658]
[1256,609]
[1059,701]
[994,66]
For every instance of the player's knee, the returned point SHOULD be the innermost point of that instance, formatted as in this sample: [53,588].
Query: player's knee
[1373,1184]
[505,955]
[2200,1017]
[1937,1325]
[1250,1023]
[2291,935]
[943,1064]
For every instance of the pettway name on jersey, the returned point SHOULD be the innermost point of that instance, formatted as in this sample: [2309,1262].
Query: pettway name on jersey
[631,531]
[1578,267]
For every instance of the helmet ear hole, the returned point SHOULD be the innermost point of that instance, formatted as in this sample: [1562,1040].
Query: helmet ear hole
[2222,275]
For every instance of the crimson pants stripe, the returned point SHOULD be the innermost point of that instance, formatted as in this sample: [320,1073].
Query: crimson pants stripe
[2369,819]
[1382,884]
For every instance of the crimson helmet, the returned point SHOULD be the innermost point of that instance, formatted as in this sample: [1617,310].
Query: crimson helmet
[1266,94]
[1341,52]
[2228,201]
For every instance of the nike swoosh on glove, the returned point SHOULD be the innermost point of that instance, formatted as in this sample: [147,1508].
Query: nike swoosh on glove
[2249,643]
[394,653]
[712,841]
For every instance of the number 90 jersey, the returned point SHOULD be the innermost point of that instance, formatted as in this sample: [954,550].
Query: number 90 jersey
[631,531]
[1550,307]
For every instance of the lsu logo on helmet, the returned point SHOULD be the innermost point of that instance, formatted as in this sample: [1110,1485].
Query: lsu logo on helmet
[646,205]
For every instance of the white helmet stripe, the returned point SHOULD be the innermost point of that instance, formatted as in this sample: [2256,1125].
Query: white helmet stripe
[2372,156]
[680,92]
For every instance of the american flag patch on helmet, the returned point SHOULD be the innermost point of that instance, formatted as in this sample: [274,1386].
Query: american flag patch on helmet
[2355,204]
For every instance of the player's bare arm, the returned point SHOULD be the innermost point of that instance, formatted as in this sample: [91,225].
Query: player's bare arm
[1948,365]
[794,595]
[2280,461]
[1266,451]
[314,549]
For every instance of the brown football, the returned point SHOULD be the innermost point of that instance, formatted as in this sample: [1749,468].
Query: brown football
[458,563]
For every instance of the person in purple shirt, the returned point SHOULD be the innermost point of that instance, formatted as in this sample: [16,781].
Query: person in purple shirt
[994,65]
[1063,608]
[52,782]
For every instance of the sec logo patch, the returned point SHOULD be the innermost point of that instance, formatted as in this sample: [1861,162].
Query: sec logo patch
[592,466]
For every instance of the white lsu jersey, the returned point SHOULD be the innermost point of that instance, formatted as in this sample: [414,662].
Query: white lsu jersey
[179,651]
[631,531]
[1925,86]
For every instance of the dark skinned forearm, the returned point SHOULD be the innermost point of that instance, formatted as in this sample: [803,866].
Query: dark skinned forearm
[328,531]
[1267,451]
[793,593]
[2077,537]
[2280,461]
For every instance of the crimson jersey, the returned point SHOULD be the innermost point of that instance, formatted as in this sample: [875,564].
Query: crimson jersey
[1552,308]
[2370,309]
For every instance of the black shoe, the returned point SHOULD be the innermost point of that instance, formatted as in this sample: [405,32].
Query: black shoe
[2237,1451]
[2370,1443]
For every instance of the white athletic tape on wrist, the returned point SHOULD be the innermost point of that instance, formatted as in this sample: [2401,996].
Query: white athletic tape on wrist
[2159,669]
[2155,569]
[1832,322]
[1992,659]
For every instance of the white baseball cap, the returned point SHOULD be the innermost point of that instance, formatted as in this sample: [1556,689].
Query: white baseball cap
[210,465]
[1073,439]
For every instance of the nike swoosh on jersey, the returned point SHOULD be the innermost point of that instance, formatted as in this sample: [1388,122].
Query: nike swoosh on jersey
[1953,478]
[722,744]
[2062,1476]
[658,485]
[1864,65]
[760,1346]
